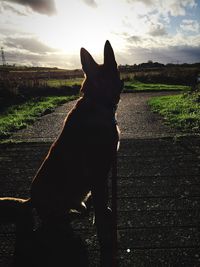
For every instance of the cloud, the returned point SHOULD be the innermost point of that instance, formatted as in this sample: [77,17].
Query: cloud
[190,25]
[43,60]
[171,54]
[185,53]
[91,3]
[135,39]
[162,48]
[175,7]
[154,17]
[146,2]
[32,45]
[178,7]
[6,7]
[134,53]
[168,7]
[157,30]
[46,7]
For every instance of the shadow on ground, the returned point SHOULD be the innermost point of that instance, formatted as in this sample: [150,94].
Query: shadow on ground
[158,200]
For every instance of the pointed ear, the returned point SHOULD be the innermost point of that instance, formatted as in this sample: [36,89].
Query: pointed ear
[109,57]
[88,63]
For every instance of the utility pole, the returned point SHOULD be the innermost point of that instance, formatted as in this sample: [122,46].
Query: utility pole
[3,57]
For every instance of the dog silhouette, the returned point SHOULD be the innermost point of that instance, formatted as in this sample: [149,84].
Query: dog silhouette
[76,168]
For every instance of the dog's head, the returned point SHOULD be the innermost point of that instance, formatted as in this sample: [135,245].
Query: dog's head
[102,82]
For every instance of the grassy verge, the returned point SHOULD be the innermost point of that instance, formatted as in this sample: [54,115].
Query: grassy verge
[19,116]
[132,86]
[180,111]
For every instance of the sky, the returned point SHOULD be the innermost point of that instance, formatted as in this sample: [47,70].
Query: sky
[51,32]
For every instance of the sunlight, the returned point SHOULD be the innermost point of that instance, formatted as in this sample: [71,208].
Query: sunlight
[78,25]
[68,33]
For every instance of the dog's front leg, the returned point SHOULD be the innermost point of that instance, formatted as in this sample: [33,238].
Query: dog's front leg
[103,221]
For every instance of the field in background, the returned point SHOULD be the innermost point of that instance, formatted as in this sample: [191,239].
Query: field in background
[71,82]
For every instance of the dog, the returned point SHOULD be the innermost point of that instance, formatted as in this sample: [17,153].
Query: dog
[77,166]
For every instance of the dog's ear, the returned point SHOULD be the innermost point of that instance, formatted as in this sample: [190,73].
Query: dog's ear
[88,63]
[109,57]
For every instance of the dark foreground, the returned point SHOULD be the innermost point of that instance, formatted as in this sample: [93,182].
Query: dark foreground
[158,204]
[158,195]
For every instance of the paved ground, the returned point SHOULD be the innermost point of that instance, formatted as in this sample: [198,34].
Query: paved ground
[158,187]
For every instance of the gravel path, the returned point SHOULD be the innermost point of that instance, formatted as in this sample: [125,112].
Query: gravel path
[134,117]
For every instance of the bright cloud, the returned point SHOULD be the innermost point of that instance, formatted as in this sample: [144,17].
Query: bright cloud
[190,25]
[172,7]
[177,7]
[6,7]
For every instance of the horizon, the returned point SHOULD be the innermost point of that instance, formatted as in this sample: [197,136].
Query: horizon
[121,66]
[50,33]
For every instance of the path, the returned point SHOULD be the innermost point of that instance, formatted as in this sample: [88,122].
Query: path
[158,187]
[134,118]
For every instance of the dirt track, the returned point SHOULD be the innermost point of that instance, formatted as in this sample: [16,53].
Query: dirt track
[158,187]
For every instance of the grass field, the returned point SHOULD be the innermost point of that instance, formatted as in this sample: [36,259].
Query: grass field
[180,111]
[152,87]
[19,116]
[129,86]
[64,82]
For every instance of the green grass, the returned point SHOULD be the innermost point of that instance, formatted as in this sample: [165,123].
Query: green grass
[180,111]
[145,87]
[129,85]
[65,82]
[19,116]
